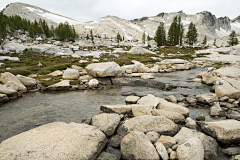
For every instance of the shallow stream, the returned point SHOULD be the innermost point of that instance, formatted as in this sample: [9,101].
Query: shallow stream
[38,108]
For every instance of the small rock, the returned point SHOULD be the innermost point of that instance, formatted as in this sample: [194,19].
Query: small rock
[172,98]
[201,118]
[167,141]
[162,150]
[107,156]
[216,110]
[232,151]
[115,141]
[153,136]
[131,99]
[190,123]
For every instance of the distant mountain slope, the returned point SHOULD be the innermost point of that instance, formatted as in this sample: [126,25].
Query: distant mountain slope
[206,23]
[32,12]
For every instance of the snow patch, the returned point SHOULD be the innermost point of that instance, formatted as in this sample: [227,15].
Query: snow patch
[222,32]
[53,17]
[236,26]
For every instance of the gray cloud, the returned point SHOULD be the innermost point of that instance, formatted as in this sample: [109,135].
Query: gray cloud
[90,10]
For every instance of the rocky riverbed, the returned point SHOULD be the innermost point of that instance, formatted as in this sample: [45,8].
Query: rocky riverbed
[158,127]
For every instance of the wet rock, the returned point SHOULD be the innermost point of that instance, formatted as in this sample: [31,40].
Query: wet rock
[201,118]
[167,141]
[107,156]
[191,101]
[119,109]
[136,145]
[87,120]
[8,91]
[147,123]
[162,150]
[60,86]
[210,145]
[149,100]
[172,99]
[216,110]
[232,151]
[104,69]
[107,123]
[190,123]
[6,77]
[27,81]
[225,131]
[207,98]
[209,79]
[141,110]
[233,115]
[93,83]
[174,116]
[3,98]
[191,149]
[115,141]
[131,99]
[55,140]
[168,106]
[71,74]
[153,136]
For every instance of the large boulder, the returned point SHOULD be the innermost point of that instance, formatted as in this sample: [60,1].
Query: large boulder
[225,131]
[136,145]
[55,140]
[149,100]
[8,91]
[174,116]
[210,145]
[141,110]
[169,106]
[107,123]
[104,69]
[6,77]
[12,46]
[216,110]
[147,123]
[27,81]
[229,71]
[191,149]
[207,98]
[228,87]
[71,74]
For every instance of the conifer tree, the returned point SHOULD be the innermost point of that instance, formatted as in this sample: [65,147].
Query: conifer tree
[204,40]
[233,40]
[87,37]
[160,36]
[119,38]
[91,35]
[192,34]
[143,38]
[176,31]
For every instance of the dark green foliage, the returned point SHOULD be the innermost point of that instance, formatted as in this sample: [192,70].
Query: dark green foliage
[91,35]
[87,37]
[233,40]
[192,34]
[65,32]
[119,38]
[204,40]
[160,36]
[143,38]
[3,26]
[176,31]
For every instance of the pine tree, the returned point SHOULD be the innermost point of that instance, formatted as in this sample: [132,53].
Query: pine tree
[204,40]
[87,37]
[233,40]
[160,36]
[3,27]
[176,31]
[119,38]
[143,38]
[192,34]
[91,35]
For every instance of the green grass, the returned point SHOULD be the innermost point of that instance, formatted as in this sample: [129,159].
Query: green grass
[75,82]
[53,80]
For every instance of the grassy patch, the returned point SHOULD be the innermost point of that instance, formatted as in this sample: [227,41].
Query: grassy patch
[217,67]
[52,80]
[75,82]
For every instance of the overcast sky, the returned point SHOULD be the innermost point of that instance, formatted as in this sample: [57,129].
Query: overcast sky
[91,10]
